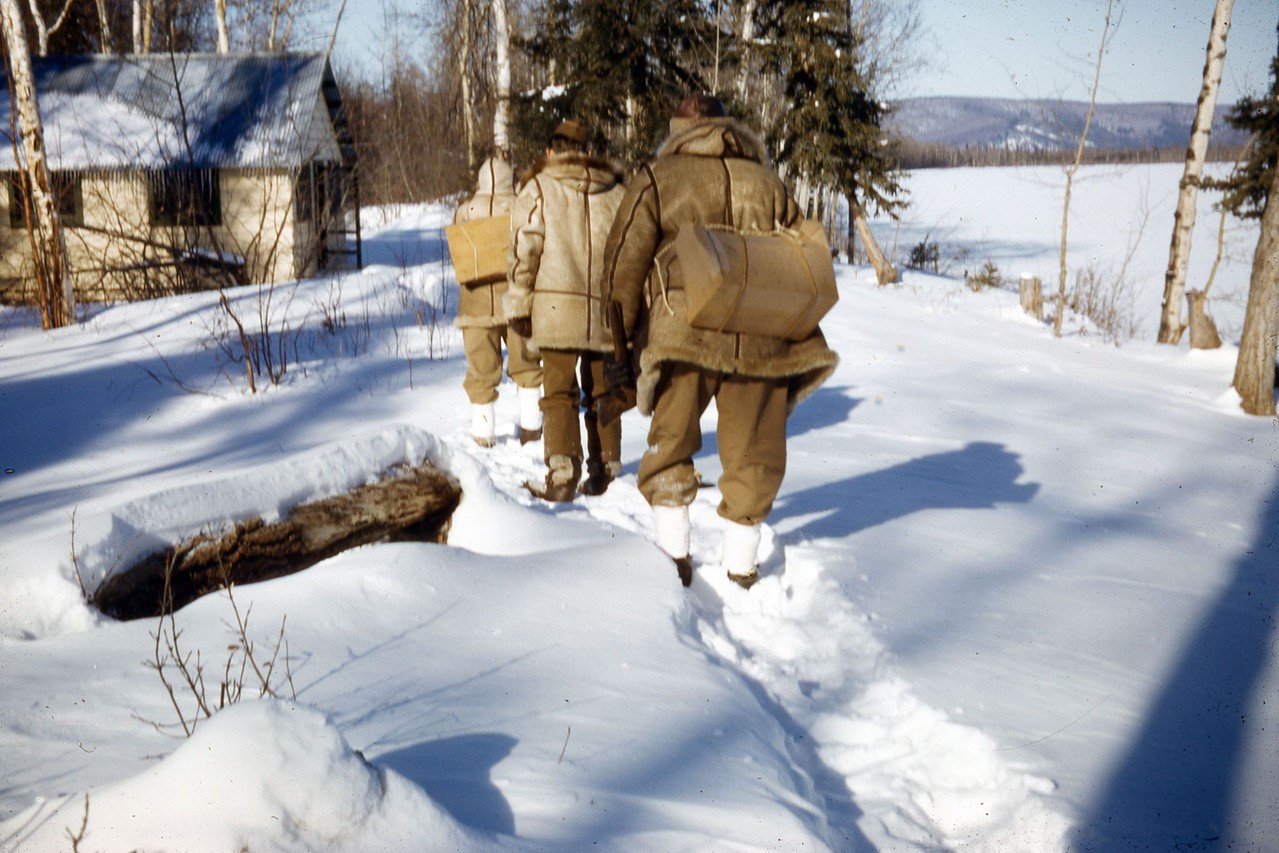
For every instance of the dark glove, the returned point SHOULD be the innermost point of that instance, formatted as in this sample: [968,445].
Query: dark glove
[522,326]
[618,374]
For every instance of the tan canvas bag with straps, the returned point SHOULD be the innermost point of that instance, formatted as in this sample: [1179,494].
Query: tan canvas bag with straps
[777,283]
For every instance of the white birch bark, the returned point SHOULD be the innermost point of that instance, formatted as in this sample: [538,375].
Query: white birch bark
[464,75]
[43,30]
[747,40]
[44,227]
[104,27]
[1183,223]
[137,26]
[224,38]
[502,114]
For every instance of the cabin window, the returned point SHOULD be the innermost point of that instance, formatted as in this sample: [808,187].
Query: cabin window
[305,193]
[318,191]
[185,197]
[67,193]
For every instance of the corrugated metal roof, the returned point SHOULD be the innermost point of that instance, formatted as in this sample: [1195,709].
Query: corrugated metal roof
[165,110]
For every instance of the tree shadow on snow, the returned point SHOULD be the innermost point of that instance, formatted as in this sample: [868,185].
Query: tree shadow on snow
[454,772]
[1182,781]
[979,476]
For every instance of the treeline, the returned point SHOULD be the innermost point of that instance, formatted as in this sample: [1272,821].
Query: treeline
[938,155]
[409,138]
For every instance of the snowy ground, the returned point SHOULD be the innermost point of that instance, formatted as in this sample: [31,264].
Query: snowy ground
[1019,591]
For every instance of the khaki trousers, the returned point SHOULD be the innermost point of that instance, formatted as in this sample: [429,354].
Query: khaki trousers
[562,399]
[483,345]
[751,435]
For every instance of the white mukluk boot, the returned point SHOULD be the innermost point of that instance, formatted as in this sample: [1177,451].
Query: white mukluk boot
[482,430]
[740,552]
[671,531]
[530,414]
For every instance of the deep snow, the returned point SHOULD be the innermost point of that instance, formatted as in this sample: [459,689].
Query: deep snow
[1019,591]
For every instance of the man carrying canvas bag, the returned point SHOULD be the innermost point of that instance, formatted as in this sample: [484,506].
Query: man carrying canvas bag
[710,171]
[483,322]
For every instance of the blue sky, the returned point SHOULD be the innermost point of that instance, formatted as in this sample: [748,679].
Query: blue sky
[1048,49]
[998,48]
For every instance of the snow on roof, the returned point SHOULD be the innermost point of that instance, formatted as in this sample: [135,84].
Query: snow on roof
[165,110]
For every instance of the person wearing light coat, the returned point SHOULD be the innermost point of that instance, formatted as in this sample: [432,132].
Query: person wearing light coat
[484,328]
[710,170]
[560,220]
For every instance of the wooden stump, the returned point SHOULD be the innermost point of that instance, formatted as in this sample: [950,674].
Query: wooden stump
[413,504]
[1032,297]
[1203,329]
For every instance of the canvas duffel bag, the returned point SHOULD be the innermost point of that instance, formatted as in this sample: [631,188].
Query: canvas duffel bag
[777,284]
[479,248]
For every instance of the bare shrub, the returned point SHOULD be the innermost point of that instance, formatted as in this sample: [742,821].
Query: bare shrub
[1108,302]
[988,277]
[182,672]
[923,255]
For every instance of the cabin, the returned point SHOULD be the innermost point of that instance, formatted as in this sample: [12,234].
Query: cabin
[182,172]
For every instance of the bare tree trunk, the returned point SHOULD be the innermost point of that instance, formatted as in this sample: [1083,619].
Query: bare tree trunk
[746,40]
[224,39]
[43,30]
[104,27]
[502,113]
[137,26]
[1203,329]
[44,227]
[1255,368]
[884,271]
[465,15]
[1073,168]
[1183,223]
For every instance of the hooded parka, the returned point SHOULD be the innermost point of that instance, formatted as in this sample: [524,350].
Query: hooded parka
[480,305]
[559,223]
[711,171]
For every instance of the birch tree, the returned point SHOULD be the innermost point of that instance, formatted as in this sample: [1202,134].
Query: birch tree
[1170,324]
[44,227]
[224,38]
[104,27]
[44,29]
[502,52]
[141,17]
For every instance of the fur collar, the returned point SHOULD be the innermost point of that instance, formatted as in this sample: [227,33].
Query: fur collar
[713,137]
[592,173]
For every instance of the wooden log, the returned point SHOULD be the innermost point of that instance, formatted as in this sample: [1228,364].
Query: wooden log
[413,504]
[1032,297]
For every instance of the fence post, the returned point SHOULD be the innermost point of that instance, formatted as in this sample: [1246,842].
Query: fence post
[1032,297]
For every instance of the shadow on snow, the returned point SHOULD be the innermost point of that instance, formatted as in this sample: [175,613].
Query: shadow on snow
[1179,784]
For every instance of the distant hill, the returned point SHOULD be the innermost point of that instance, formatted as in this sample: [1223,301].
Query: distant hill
[1049,125]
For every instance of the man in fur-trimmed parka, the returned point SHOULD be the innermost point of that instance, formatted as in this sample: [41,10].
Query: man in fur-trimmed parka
[710,170]
[484,328]
[559,223]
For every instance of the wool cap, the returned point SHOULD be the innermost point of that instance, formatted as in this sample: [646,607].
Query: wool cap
[573,131]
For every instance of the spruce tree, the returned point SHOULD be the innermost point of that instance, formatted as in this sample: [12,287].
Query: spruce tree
[1245,191]
[620,66]
[831,133]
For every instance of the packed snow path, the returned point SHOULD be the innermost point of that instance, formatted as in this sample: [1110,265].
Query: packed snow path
[890,772]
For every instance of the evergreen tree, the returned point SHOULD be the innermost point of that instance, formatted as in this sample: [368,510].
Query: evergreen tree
[831,134]
[619,66]
[1245,191]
